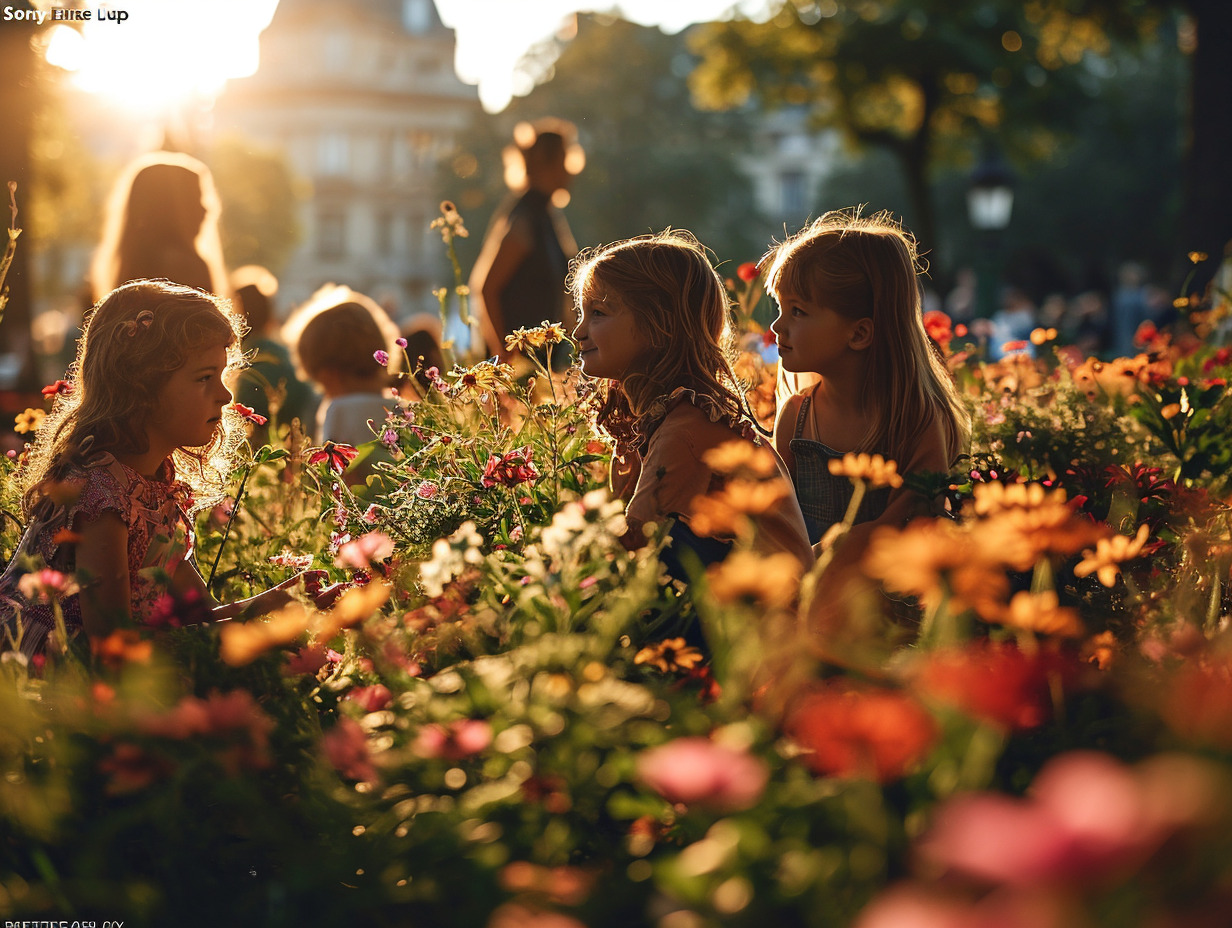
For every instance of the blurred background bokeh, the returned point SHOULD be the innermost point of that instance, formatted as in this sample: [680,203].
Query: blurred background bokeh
[1061,156]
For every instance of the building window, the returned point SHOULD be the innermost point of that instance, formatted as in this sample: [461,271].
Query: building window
[384,233]
[331,234]
[793,197]
[333,154]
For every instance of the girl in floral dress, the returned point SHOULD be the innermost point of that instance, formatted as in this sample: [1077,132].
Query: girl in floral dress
[142,435]
[654,326]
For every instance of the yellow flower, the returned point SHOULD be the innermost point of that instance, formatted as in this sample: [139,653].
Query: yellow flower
[722,513]
[732,456]
[931,559]
[771,580]
[876,470]
[670,655]
[484,377]
[992,498]
[1109,554]
[29,421]
[1039,336]
[1041,612]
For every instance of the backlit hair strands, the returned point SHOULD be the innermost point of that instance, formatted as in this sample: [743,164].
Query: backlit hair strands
[682,308]
[868,267]
[133,340]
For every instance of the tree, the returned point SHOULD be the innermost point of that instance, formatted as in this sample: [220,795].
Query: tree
[922,79]
[653,160]
[259,223]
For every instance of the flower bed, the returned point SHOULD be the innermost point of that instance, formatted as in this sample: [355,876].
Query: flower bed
[1026,721]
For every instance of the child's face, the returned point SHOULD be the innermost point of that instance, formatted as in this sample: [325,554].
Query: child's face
[811,337]
[190,404]
[610,344]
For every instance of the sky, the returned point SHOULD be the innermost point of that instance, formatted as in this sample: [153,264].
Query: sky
[494,34]
[217,40]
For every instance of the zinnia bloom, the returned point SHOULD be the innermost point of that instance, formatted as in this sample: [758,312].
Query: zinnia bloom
[28,421]
[852,731]
[874,469]
[249,413]
[337,456]
[1105,561]
[670,655]
[697,771]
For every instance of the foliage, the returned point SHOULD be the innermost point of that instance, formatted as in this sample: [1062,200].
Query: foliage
[510,718]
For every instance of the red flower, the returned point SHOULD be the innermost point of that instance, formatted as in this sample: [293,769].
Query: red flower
[747,272]
[59,388]
[852,731]
[509,469]
[996,683]
[249,413]
[938,326]
[337,456]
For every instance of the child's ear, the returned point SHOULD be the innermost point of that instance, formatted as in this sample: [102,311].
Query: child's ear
[861,335]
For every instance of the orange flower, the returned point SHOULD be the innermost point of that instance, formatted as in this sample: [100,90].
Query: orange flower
[874,469]
[720,514]
[933,558]
[854,731]
[1105,561]
[769,580]
[670,655]
[124,645]
[734,456]
[1041,612]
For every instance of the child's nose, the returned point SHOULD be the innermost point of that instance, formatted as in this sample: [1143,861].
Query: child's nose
[774,326]
[579,330]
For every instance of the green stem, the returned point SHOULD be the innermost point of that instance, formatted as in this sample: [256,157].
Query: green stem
[226,532]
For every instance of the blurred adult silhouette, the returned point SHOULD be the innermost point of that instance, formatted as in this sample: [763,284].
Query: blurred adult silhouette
[519,278]
[162,221]
[270,385]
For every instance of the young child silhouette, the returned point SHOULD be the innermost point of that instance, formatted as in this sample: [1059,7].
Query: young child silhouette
[144,437]
[337,338]
[849,314]
[654,326]
[162,222]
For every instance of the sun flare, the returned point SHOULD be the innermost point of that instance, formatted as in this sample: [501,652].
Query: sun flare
[166,53]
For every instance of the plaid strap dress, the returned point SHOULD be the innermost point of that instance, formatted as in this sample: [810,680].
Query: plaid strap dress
[823,497]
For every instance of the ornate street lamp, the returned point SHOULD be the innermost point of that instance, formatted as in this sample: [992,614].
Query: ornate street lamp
[990,201]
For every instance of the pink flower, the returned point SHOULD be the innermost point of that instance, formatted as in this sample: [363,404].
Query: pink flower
[426,490]
[46,584]
[364,550]
[371,698]
[380,357]
[346,748]
[1089,817]
[698,771]
[462,738]
[509,469]
[400,342]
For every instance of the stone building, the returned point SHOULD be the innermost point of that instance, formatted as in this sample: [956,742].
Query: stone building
[362,98]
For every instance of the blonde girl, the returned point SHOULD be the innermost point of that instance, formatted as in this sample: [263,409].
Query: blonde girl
[654,328]
[850,316]
[143,435]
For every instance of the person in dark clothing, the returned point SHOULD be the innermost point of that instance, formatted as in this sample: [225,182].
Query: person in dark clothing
[519,279]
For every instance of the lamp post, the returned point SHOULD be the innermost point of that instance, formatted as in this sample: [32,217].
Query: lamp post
[990,201]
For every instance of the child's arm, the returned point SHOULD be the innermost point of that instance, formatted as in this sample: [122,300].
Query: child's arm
[102,565]
[187,578]
[785,430]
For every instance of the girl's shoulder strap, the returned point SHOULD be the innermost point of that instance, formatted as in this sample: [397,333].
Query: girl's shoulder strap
[806,401]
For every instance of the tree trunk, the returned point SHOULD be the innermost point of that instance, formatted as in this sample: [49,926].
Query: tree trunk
[17,95]
[1206,219]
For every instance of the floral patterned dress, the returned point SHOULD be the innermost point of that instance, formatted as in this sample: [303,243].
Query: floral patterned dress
[159,539]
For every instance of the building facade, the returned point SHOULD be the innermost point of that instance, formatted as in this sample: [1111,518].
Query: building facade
[362,99]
